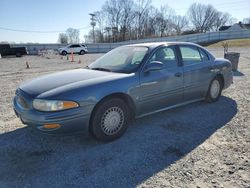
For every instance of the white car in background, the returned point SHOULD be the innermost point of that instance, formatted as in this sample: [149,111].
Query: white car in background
[75,48]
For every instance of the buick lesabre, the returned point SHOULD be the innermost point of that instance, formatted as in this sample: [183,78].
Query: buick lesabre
[128,82]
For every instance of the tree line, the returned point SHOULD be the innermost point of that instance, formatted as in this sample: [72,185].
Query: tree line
[121,20]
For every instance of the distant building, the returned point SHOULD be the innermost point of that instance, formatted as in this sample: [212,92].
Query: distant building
[236,26]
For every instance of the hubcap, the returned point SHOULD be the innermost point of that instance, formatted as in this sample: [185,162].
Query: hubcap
[215,89]
[112,120]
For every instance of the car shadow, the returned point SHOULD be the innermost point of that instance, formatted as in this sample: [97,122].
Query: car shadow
[150,145]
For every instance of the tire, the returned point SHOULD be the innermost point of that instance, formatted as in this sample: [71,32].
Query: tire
[214,90]
[82,52]
[18,54]
[64,53]
[109,120]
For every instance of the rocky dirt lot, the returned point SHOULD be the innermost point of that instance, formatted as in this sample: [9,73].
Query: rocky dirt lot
[198,145]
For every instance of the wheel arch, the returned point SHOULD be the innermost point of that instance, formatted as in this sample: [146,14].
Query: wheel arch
[221,77]
[123,96]
[64,51]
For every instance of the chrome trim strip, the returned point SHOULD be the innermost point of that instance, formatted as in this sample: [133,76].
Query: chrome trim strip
[170,107]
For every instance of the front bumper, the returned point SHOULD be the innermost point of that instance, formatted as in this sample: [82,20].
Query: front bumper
[70,121]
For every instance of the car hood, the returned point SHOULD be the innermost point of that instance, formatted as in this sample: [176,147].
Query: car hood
[53,81]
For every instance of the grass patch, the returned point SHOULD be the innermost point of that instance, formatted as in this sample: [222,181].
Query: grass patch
[233,43]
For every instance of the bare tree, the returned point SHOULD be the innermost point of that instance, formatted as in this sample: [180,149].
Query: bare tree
[202,16]
[165,20]
[179,23]
[100,20]
[127,17]
[113,10]
[221,20]
[142,7]
[120,20]
[63,38]
[246,20]
[152,22]
[73,35]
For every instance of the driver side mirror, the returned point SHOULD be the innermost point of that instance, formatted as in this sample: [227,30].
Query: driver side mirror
[154,66]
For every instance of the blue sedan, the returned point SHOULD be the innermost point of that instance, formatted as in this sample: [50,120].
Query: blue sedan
[127,82]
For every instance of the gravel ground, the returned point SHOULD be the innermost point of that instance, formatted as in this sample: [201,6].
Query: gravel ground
[198,145]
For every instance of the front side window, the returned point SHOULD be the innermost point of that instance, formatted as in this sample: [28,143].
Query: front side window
[125,59]
[166,55]
[190,55]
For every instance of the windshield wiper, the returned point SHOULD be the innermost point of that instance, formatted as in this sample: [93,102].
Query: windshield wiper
[101,69]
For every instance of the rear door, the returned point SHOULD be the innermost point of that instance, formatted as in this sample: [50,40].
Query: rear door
[196,70]
[75,48]
[161,88]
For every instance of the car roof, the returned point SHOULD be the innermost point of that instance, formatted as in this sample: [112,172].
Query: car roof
[156,44]
[153,45]
[76,44]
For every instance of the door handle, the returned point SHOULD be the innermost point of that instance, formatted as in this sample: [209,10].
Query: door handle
[178,74]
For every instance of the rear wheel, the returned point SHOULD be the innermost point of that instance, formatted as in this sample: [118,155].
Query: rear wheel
[64,53]
[110,119]
[214,91]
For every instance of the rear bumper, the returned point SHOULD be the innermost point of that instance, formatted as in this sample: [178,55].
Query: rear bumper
[70,121]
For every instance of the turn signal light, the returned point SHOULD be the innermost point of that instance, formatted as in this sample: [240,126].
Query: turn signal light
[69,104]
[51,126]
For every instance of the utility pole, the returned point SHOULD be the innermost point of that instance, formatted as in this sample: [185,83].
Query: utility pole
[93,24]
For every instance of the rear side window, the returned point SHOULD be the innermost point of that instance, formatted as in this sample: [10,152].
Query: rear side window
[204,55]
[190,55]
[74,46]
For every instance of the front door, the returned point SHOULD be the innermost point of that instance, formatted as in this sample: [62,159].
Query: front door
[161,88]
[75,48]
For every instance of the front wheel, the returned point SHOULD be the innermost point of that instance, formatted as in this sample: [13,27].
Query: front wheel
[214,91]
[110,120]
[18,54]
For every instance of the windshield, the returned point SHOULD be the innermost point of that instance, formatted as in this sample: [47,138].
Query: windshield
[125,59]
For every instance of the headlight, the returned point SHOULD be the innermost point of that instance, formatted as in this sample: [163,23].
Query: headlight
[53,105]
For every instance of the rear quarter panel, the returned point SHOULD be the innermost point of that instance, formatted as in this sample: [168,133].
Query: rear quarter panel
[224,67]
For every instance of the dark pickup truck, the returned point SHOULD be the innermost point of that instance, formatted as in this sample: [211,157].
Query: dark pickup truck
[6,50]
